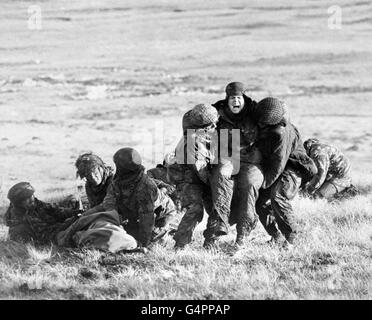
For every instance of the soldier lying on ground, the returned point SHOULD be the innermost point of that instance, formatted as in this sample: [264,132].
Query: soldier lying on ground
[188,170]
[285,163]
[333,170]
[31,220]
[235,182]
[146,212]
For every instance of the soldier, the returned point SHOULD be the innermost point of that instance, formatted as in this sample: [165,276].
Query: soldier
[188,169]
[97,174]
[285,163]
[333,169]
[235,181]
[31,220]
[159,174]
[144,210]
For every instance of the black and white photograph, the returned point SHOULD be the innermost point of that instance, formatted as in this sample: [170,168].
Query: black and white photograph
[164,150]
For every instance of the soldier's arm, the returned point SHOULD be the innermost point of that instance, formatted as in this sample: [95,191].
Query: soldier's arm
[162,185]
[146,215]
[322,162]
[108,203]
[275,162]
[197,154]
[59,213]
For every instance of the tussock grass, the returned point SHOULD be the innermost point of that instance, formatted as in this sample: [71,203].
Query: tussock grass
[331,260]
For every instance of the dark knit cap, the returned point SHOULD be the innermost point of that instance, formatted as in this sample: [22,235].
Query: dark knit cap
[270,111]
[87,162]
[128,159]
[201,116]
[20,191]
[235,89]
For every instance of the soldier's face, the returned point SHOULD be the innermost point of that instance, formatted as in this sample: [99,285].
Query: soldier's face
[95,176]
[210,129]
[207,132]
[28,203]
[236,104]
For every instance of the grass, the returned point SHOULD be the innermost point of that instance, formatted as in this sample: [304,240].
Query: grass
[331,260]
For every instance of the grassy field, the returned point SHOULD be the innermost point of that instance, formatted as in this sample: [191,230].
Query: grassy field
[101,75]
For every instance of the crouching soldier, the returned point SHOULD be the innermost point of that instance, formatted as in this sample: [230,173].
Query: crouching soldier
[189,170]
[137,199]
[97,174]
[285,163]
[32,220]
[160,176]
[333,169]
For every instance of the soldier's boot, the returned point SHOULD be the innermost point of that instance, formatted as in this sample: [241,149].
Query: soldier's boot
[277,239]
[239,242]
[179,246]
[211,244]
[216,227]
[244,230]
[287,245]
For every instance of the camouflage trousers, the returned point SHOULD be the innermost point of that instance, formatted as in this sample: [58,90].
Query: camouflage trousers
[194,198]
[332,186]
[234,199]
[274,207]
[167,218]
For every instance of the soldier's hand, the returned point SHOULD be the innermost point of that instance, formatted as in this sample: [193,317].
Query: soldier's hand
[164,190]
[87,212]
[143,250]
[79,212]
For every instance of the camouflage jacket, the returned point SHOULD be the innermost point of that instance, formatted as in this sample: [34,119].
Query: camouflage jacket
[281,147]
[193,156]
[96,194]
[39,224]
[159,175]
[331,163]
[136,201]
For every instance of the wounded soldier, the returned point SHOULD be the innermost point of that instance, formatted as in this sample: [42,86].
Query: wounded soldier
[32,220]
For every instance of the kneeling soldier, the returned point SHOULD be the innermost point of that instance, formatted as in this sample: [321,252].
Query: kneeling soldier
[333,169]
[144,210]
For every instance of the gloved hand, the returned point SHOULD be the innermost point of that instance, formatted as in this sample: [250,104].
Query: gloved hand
[158,233]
